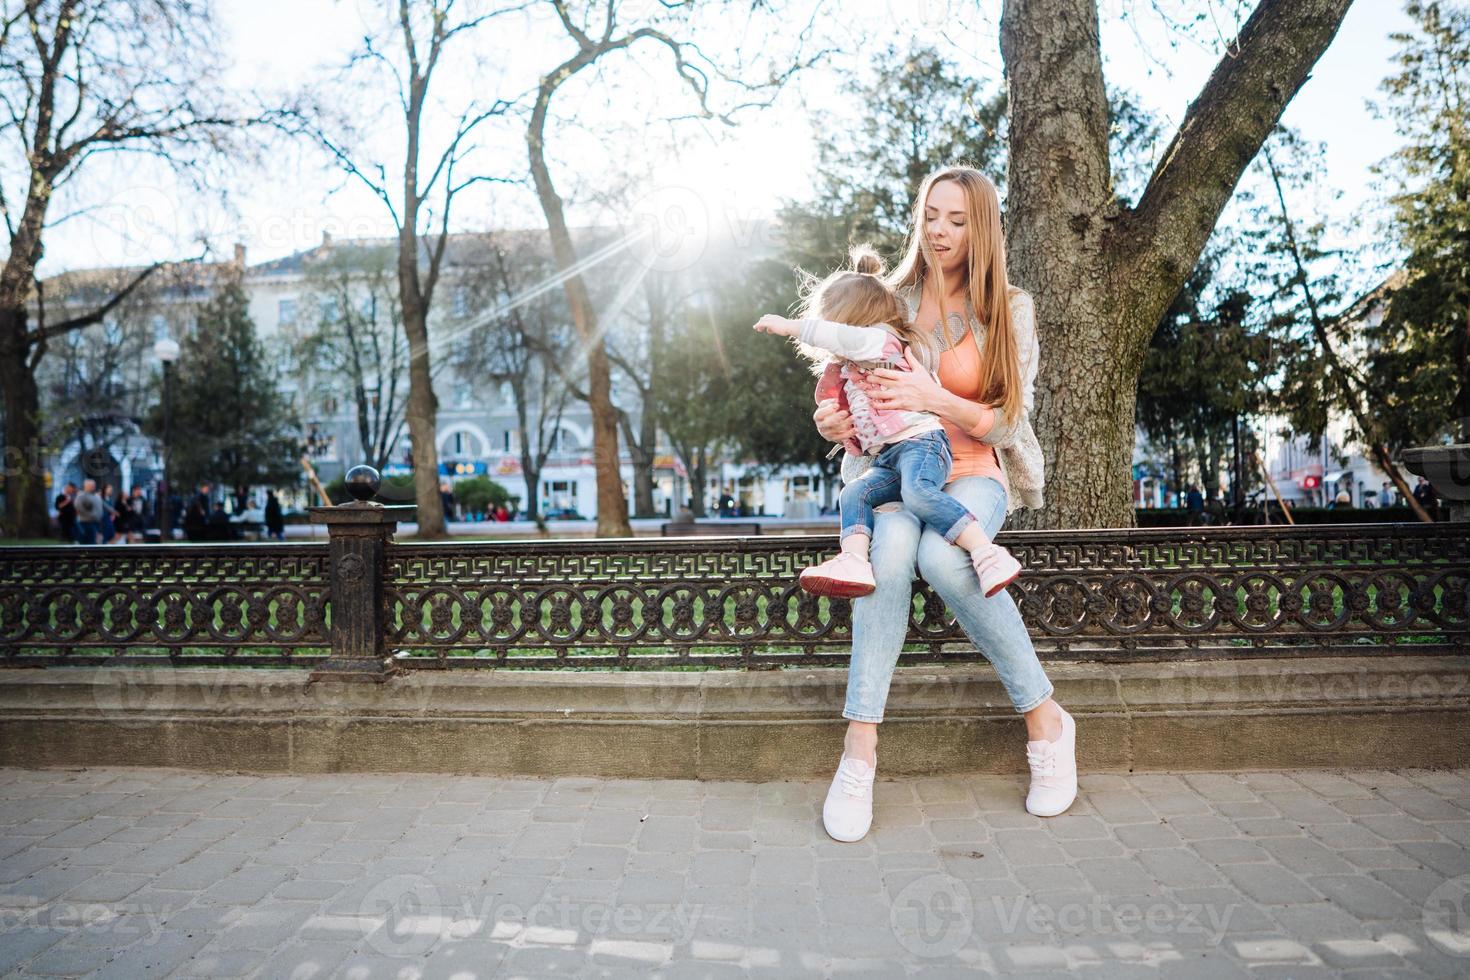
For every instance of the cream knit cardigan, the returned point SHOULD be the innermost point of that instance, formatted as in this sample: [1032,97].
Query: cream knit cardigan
[1016,445]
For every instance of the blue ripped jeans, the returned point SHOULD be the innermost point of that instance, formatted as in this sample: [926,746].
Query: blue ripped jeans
[913,471]
[880,621]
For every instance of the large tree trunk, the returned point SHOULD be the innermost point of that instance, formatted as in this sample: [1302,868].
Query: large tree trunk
[25,477]
[1102,275]
[612,505]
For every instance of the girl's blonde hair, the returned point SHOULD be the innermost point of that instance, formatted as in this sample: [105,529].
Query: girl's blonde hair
[857,296]
[985,275]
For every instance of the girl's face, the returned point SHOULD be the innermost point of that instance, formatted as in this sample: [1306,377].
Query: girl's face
[945,223]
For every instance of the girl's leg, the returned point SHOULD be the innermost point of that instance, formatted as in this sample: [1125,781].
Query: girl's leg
[878,486]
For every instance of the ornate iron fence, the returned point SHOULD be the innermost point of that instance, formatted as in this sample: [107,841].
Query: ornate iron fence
[641,603]
[186,603]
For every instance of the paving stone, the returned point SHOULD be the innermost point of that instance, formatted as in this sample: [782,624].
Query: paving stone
[1304,856]
[1269,885]
[1363,897]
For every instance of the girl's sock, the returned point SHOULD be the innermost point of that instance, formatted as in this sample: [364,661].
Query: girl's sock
[856,544]
[972,538]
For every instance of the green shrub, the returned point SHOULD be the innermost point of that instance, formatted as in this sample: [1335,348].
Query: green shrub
[479,494]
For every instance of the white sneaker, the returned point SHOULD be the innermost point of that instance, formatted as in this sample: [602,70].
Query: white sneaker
[1053,771]
[848,812]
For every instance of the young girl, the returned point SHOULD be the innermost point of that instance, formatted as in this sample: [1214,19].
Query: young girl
[852,323]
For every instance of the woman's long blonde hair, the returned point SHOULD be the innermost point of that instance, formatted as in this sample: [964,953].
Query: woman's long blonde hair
[985,274]
[858,296]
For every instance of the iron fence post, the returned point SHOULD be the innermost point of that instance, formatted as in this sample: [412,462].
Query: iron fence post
[358,535]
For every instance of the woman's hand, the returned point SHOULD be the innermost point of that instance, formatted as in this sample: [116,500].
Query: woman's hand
[771,323]
[914,390]
[833,423]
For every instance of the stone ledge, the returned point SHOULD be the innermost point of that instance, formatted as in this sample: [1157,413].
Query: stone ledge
[1246,714]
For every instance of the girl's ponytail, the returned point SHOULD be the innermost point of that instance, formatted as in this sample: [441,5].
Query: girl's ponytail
[864,260]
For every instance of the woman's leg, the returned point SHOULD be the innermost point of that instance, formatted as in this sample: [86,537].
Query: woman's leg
[994,625]
[880,622]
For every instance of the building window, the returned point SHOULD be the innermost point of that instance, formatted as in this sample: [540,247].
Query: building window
[461,301]
[286,310]
[160,327]
[329,309]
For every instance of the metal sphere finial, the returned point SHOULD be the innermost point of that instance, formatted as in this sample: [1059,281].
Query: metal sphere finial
[363,482]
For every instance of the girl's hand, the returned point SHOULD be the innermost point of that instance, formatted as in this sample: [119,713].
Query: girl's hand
[833,424]
[914,390]
[771,323]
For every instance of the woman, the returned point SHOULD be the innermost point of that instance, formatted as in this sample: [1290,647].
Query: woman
[953,278]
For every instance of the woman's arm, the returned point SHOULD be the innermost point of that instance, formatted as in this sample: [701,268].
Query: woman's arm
[917,390]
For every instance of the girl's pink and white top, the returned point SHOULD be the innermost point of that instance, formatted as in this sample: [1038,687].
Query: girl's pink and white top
[860,350]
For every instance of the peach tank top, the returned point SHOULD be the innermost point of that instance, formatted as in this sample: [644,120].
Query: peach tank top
[959,372]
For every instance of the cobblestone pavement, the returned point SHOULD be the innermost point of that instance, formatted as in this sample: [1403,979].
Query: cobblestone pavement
[131,873]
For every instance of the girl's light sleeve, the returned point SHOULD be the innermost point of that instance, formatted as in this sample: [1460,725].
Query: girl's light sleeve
[845,340]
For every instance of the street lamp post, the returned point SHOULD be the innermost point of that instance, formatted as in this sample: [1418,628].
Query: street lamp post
[167,351]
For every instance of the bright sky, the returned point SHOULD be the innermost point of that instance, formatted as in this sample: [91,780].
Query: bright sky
[285,204]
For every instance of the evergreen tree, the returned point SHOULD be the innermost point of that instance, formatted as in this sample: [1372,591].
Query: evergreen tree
[1420,352]
[230,422]
[1201,376]
[918,113]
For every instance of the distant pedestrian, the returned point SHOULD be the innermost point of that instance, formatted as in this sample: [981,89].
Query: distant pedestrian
[89,513]
[66,513]
[1194,506]
[137,511]
[1424,493]
[446,496]
[196,515]
[275,522]
[109,514]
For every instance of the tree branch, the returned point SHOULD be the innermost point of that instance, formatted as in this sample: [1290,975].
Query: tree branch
[45,332]
[1160,241]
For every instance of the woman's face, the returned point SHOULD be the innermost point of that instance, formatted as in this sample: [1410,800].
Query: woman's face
[945,223]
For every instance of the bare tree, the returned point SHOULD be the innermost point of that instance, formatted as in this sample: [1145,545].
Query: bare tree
[81,82]
[524,342]
[408,51]
[1103,273]
[358,339]
[694,71]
